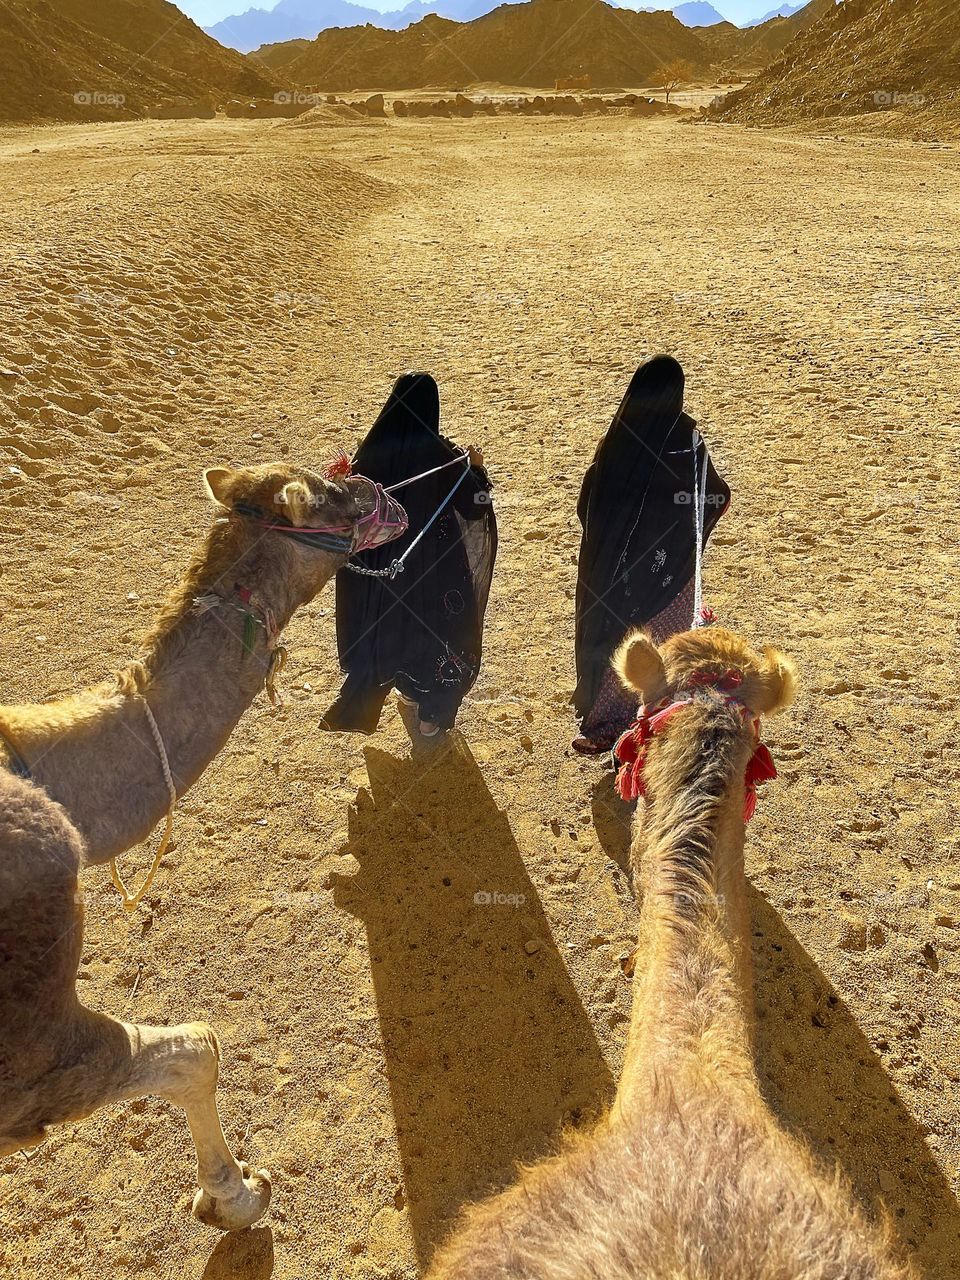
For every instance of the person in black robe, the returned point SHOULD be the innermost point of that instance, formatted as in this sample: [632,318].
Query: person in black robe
[638,550]
[421,631]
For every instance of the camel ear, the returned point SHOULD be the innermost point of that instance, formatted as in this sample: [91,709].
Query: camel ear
[638,664]
[218,481]
[776,682]
[295,500]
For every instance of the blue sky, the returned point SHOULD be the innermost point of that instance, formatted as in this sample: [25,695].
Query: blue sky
[206,12]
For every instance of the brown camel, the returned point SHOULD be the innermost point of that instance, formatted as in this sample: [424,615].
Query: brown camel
[689,1177]
[91,786]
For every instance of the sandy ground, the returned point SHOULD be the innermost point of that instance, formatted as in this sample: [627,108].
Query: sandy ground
[181,294]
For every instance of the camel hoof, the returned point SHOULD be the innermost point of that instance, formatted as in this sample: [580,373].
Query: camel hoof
[232,1213]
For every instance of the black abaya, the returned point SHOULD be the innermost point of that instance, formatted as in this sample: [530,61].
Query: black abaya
[636,506]
[420,632]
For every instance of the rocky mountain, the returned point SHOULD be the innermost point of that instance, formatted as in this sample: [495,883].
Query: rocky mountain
[862,56]
[738,51]
[304,19]
[781,11]
[75,60]
[697,13]
[532,43]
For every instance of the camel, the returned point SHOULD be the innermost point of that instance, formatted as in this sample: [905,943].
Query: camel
[91,786]
[689,1176]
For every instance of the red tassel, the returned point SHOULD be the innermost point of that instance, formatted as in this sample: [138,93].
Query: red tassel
[749,803]
[339,468]
[759,769]
[631,750]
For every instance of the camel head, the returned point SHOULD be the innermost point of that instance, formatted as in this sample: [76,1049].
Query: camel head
[301,525]
[293,495]
[765,683]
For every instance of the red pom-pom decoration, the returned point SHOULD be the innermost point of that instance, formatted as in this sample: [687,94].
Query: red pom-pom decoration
[340,467]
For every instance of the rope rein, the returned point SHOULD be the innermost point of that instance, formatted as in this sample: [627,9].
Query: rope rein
[699,510]
[132,900]
[402,484]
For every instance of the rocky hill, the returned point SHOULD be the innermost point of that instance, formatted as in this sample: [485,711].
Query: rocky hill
[750,49]
[898,60]
[532,43]
[77,60]
[305,19]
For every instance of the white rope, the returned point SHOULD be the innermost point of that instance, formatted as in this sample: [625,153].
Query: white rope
[423,474]
[132,900]
[699,509]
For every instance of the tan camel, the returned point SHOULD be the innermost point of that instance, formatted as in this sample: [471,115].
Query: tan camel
[95,788]
[689,1177]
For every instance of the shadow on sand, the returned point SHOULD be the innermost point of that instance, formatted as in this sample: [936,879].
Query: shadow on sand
[823,1079]
[488,1048]
[242,1255]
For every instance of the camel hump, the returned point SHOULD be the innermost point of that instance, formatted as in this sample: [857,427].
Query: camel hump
[40,857]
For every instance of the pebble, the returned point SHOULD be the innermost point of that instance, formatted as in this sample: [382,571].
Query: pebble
[531,947]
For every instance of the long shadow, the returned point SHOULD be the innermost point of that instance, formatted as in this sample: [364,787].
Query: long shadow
[489,1051]
[611,820]
[824,1080]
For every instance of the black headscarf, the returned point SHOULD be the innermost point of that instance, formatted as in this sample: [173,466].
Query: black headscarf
[420,632]
[636,507]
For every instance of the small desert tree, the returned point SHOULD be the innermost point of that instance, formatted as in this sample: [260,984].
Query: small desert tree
[674,74]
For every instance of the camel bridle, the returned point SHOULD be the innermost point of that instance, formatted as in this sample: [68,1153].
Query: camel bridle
[630,751]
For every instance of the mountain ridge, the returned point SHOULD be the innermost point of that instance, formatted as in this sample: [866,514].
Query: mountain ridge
[76,61]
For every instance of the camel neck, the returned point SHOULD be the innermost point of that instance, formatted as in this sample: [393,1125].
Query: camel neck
[691,1009]
[202,666]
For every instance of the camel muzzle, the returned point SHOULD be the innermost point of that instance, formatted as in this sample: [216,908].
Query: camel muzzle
[386,521]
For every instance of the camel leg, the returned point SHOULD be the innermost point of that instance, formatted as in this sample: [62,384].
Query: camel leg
[60,1061]
[181,1064]
[93,1060]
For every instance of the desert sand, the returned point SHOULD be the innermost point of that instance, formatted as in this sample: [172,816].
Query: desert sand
[183,294]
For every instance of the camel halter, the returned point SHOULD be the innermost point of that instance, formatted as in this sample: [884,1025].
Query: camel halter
[386,521]
[383,524]
[630,752]
[397,566]
[132,900]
